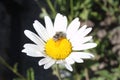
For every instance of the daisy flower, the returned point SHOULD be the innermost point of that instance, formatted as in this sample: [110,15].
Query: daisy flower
[58,42]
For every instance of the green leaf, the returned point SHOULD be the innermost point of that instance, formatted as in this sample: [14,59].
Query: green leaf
[110,2]
[105,74]
[99,78]
[15,67]
[30,74]
[44,13]
[84,14]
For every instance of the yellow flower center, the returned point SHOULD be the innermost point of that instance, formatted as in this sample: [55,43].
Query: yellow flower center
[58,49]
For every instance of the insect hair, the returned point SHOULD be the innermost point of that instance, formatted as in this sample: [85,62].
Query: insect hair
[59,35]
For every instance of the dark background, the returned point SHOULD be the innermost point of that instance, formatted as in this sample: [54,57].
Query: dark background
[15,17]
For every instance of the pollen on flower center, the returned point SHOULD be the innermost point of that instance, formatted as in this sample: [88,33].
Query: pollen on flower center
[59,49]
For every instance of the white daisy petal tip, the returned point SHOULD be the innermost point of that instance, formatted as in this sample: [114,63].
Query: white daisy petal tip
[59,14]
[84,26]
[89,56]
[26,45]
[40,64]
[36,21]
[49,64]
[91,45]
[43,61]
[45,67]
[92,56]
[77,20]
[78,60]
[82,61]
[23,51]
[88,30]
[69,67]
[26,32]
[94,45]
[46,17]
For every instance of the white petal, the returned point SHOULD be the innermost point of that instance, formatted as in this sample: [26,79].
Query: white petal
[33,47]
[73,27]
[69,60]
[88,30]
[76,58]
[33,53]
[68,66]
[86,39]
[80,40]
[84,46]
[60,62]
[49,26]
[81,33]
[49,64]
[33,37]
[40,30]
[60,23]
[82,55]
[82,29]
[44,61]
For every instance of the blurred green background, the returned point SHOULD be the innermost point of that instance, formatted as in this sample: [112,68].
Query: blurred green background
[104,17]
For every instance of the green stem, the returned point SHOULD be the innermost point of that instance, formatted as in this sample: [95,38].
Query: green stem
[86,74]
[10,68]
[77,76]
[58,72]
[51,6]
